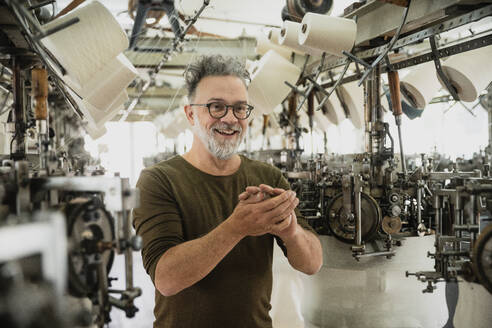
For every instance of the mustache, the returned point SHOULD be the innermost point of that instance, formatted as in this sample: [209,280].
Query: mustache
[224,126]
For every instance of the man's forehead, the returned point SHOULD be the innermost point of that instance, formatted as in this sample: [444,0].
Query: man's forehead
[221,86]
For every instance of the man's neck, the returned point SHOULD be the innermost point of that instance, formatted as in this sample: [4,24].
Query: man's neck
[202,159]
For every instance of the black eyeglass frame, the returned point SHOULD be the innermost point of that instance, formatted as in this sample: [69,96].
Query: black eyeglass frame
[250,108]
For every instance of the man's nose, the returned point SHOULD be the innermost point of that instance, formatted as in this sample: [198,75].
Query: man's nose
[229,117]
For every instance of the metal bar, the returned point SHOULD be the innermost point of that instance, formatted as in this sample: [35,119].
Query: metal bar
[358,212]
[41,4]
[419,202]
[385,253]
[134,102]
[112,187]
[55,29]
[466,227]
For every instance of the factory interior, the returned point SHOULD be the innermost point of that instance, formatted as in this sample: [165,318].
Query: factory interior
[378,114]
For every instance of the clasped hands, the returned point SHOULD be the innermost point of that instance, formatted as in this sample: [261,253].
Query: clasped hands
[264,209]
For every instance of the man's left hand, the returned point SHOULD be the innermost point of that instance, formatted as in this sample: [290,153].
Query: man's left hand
[255,194]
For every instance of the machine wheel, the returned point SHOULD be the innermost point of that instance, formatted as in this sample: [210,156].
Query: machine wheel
[88,225]
[343,226]
[482,258]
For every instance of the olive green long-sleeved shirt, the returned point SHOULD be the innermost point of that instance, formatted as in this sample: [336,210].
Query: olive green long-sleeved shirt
[178,202]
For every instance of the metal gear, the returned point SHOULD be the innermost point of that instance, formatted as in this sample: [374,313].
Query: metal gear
[343,224]
[90,230]
[391,225]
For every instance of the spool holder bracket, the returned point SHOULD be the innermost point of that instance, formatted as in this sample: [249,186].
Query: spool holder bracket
[435,54]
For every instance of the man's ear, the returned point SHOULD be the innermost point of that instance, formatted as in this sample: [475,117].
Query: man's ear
[189,114]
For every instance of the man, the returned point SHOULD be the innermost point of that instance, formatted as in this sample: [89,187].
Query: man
[207,227]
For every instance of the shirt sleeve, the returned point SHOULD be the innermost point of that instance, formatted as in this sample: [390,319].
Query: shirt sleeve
[284,184]
[157,219]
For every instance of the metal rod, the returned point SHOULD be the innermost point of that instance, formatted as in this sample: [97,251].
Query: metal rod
[419,202]
[41,4]
[358,213]
[322,103]
[402,154]
[57,28]
[194,19]
[389,47]
[356,59]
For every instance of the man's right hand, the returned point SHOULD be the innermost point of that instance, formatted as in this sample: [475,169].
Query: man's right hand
[251,218]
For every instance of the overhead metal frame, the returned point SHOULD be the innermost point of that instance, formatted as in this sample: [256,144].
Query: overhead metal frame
[441,27]
[428,56]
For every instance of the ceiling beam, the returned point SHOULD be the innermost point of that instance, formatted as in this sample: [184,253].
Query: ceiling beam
[240,47]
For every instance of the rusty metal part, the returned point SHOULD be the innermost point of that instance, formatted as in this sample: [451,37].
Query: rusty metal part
[39,84]
[266,119]
[292,107]
[391,225]
[394,86]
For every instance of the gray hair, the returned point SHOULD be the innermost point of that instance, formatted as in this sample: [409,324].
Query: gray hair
[213,65]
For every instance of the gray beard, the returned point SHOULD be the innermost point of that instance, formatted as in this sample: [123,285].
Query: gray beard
[221,149]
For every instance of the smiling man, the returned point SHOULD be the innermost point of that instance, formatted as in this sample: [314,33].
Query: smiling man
[207,227]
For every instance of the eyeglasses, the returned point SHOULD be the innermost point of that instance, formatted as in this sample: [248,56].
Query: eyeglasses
[218,109]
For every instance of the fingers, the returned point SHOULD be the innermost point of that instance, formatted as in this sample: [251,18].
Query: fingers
[250,191]
[266,189]
[284,210]
[270,190]
[253,189]
[256,198]
[243,196]
[276,201]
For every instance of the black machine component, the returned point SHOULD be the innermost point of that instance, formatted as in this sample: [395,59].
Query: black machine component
[91,235]
[143,8]
[90,229]
[294,10]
